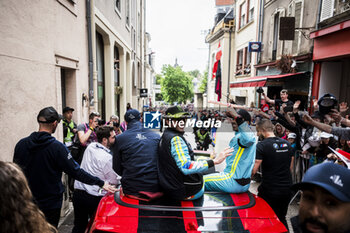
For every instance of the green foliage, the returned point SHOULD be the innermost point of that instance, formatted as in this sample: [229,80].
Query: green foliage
[176,85]
[194,73]
[159,97]
[158,79]
[204,82]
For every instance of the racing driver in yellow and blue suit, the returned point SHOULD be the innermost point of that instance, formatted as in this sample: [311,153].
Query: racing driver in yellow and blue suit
[179,175]
[236,176]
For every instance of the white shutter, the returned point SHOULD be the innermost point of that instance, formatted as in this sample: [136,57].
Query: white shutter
[327,9]
[297,14]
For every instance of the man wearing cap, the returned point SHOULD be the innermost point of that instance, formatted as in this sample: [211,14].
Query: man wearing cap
[325,200]
[275,155]
[69,127]
[69,133]
[236,176]
[179,175]
[135,157]
[43,159]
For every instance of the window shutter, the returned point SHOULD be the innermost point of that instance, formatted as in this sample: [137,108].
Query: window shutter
[327,9]
[297,15]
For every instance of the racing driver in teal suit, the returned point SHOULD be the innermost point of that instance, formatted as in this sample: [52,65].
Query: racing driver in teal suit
[236,176]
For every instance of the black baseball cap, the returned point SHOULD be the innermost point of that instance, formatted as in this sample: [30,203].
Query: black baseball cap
[48,115]
[176,112]
[66,109]
[131,115]
[332,177]
[244,114]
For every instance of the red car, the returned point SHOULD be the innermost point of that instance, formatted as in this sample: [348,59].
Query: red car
[214,212]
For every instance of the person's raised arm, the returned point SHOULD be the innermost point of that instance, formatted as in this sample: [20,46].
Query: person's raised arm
[323,127]
[268,99]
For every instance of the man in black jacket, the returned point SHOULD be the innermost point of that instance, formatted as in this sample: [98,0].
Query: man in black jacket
[43,159]
[135,157]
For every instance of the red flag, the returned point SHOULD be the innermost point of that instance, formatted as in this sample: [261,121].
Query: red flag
[218,80]
[217,58]
[215,68]
[346,154]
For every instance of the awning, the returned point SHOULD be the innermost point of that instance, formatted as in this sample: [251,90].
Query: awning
[260,81]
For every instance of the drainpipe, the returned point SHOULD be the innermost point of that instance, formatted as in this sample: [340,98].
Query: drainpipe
[315,69]
[229,66]
[258,56]
[319,14]
[261,23]
[91,84]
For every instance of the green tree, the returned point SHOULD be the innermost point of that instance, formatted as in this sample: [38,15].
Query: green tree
[176,85]
[158,79]
[204,82]
[194,73]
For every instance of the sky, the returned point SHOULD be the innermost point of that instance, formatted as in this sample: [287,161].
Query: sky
[176,29]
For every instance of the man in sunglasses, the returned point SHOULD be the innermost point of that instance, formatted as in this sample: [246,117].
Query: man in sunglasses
[43,159]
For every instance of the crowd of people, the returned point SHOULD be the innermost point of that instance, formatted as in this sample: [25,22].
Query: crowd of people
[102,157]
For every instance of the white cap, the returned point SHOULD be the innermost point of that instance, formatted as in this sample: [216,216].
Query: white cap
[325,135]
[292,135]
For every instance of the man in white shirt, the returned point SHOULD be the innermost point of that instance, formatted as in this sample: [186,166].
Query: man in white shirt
[97,161]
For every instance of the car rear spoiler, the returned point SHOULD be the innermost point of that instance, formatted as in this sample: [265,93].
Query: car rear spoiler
[251,203]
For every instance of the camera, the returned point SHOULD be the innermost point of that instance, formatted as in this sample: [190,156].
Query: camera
[116,124]
[101,122]
[260,90]
[326,103]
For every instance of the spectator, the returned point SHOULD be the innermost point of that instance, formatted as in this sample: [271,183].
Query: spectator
[275,155]
[322,150]
[135,157]
[279,130]
[70,140]
[18,213]
[97,161]
[202,138]
[128,107]
[291,139]
[179,175]
[338,131]
[87,134]
[114,122]
[43,159]
[69,127]
[278,102]
[236,176]
[325,200]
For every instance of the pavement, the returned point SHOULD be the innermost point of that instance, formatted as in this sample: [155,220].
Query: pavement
[223,138]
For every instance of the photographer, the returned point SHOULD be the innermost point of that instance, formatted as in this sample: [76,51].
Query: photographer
[114,122]
[86,133]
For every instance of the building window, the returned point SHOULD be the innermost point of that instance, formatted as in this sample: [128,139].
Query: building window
[247,61]
[275,35]
[242,15]
[239,65]
[250,11]
[117,5]
[127,12]
[140,28]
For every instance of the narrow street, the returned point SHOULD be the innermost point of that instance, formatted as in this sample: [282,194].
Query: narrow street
[222,141]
